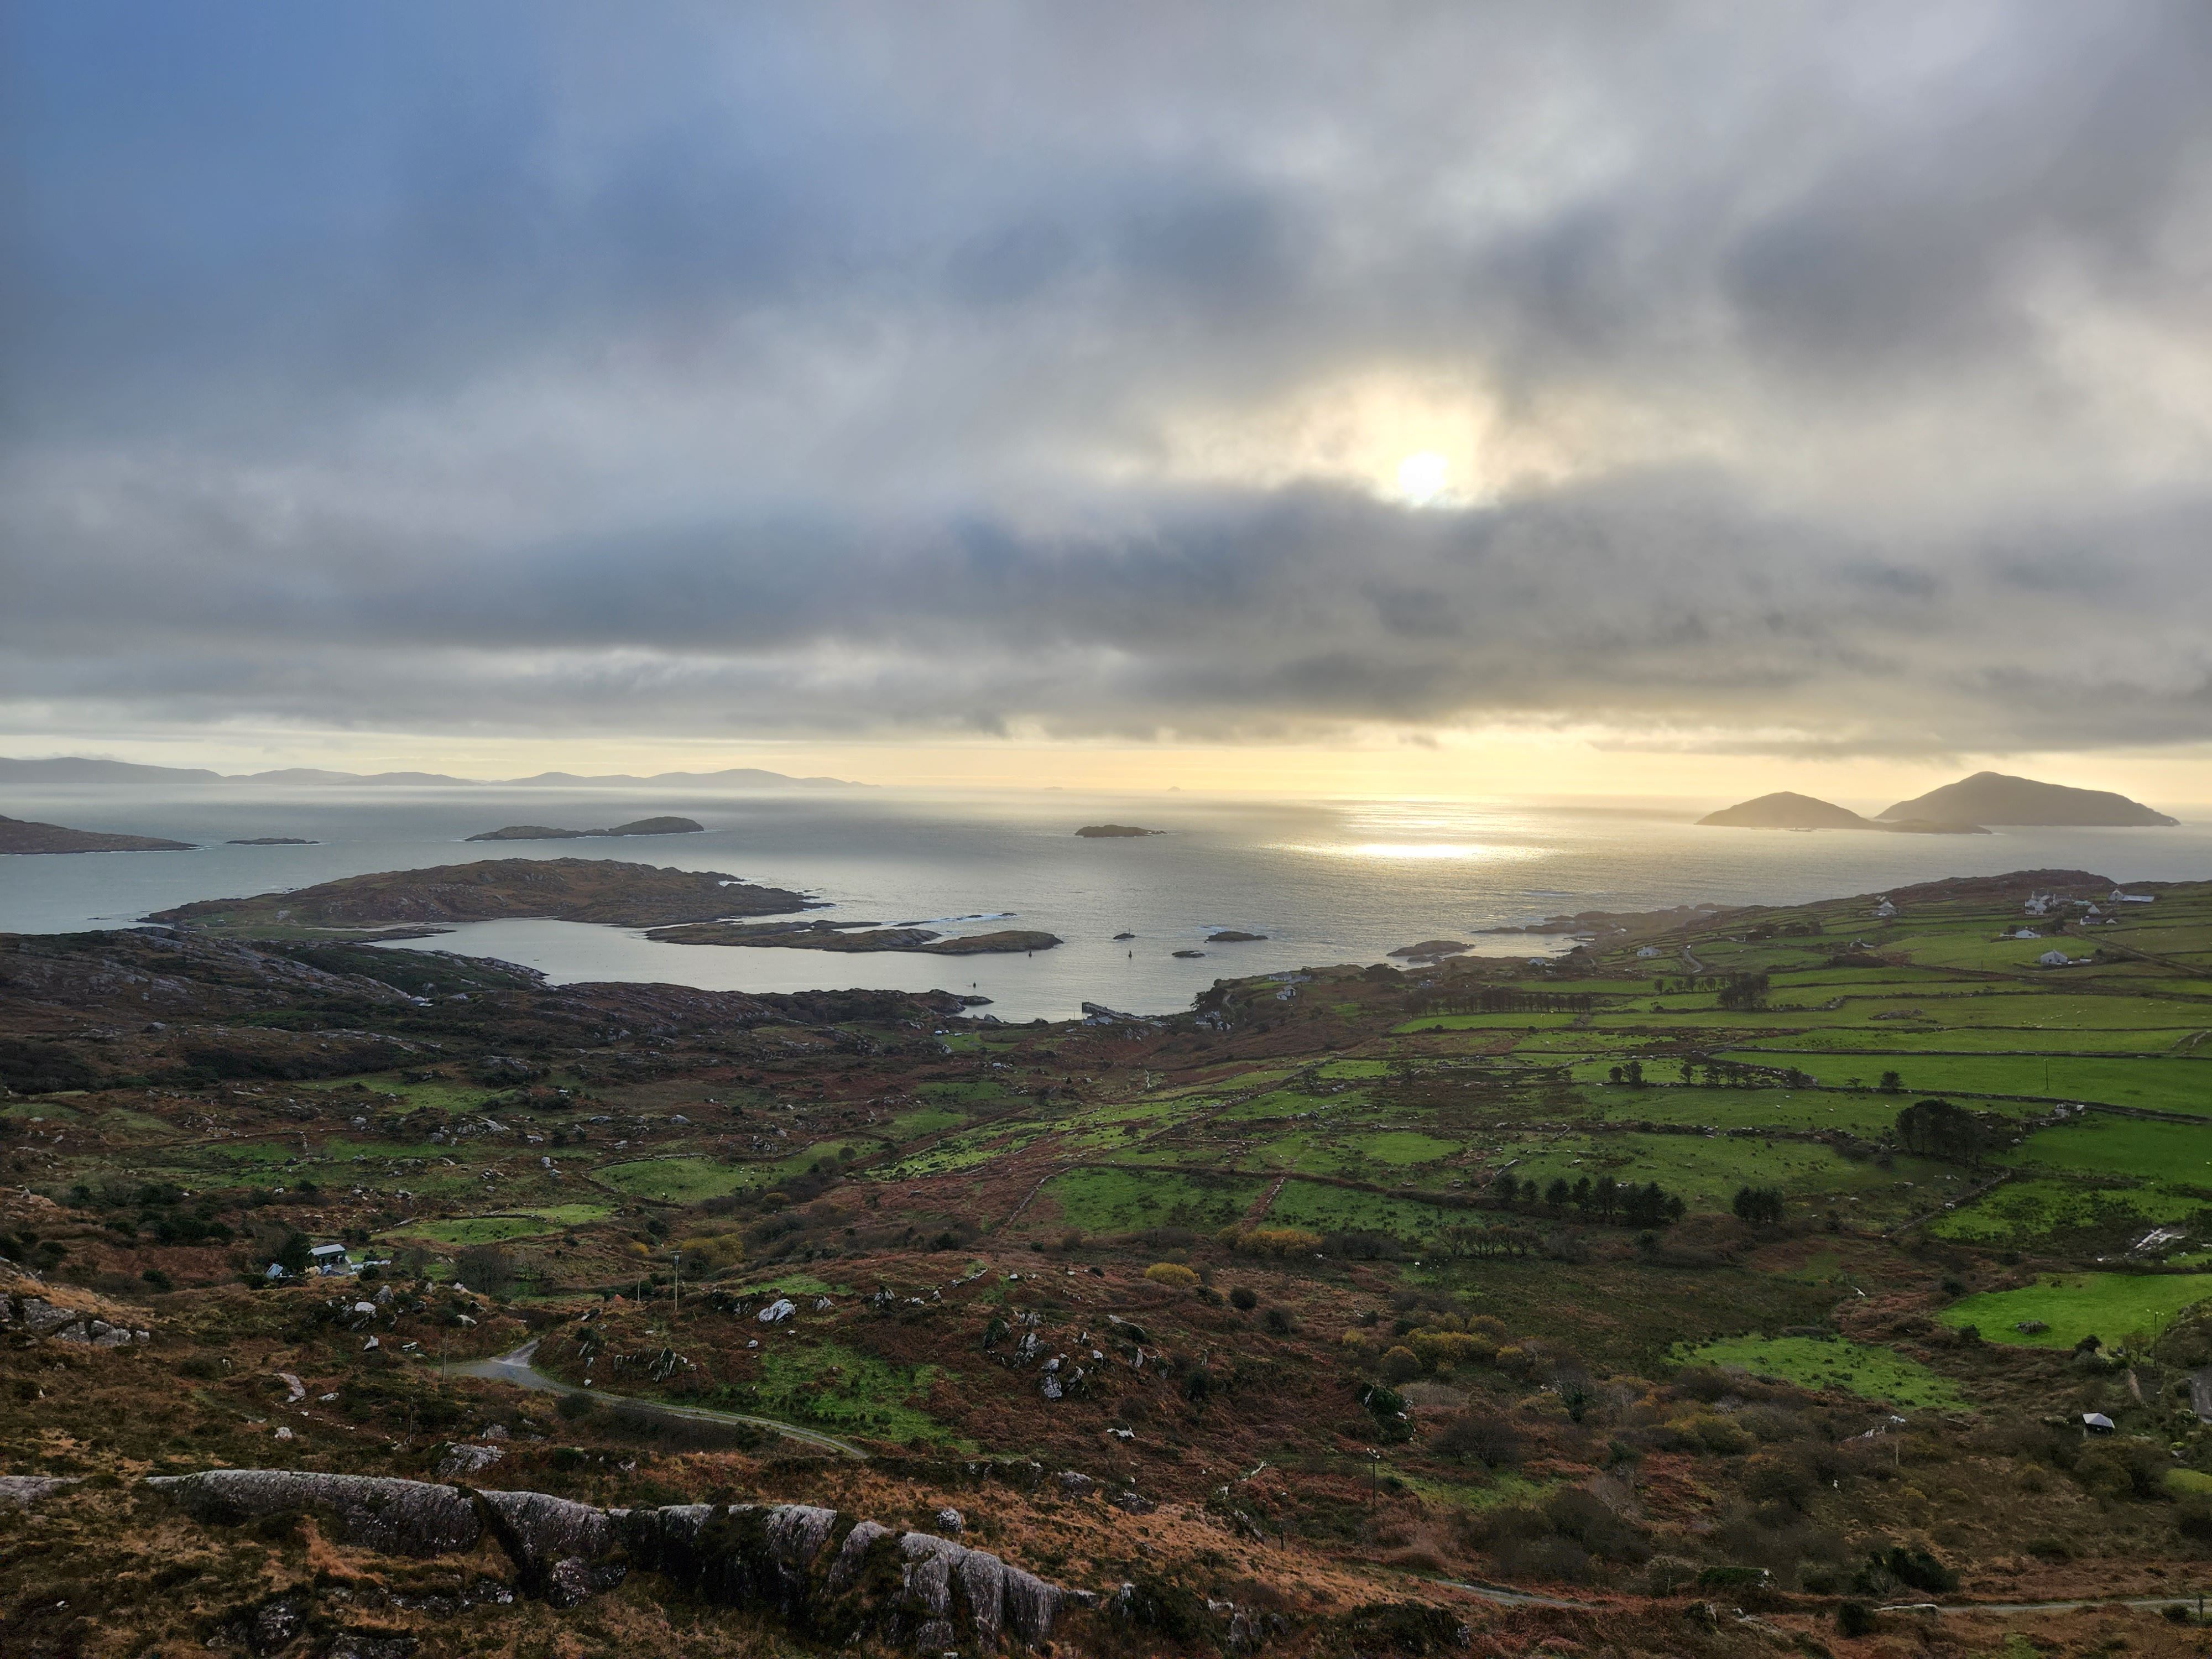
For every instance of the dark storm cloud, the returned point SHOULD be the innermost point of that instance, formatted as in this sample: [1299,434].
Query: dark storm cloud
[849,368]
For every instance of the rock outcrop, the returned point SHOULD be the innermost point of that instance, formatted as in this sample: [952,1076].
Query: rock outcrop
[59,1321]
[397,1517]
[831,1576]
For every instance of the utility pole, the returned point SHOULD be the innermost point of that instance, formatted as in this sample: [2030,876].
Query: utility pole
[678,1311]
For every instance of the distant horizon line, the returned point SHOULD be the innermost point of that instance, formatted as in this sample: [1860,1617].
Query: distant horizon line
[92,770]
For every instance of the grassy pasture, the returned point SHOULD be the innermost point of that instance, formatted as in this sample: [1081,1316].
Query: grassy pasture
[2162,1083]
[499,1229]
[680,1180]
[1917,1038]
[1864,1115]
[2101,1144]
[2110,1306]
[839,1388]
[1484,1023]
[2021,1211]
[927,1121]
[1706,1171]
[1322,1208]
[1124,1201]
[1811,1362]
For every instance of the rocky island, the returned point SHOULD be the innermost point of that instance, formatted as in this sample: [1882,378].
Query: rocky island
[1114,831]
[23,836]
[496,890]
[1231,936]
[1787,810]
[638,827]
[273,841]
[1996,797]
[849,936]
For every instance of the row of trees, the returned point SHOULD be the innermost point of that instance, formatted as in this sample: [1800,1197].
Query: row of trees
[1604,1199]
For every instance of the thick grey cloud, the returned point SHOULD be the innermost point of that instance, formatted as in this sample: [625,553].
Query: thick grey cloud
[1837,377]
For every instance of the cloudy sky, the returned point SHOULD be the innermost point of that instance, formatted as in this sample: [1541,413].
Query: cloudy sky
[1751,386]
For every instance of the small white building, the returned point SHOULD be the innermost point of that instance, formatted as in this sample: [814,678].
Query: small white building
[2096,1423]
[2054,959]
[1884,911]
[328,1260]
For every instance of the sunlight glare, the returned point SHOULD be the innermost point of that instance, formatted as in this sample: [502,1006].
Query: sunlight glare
[1423,476]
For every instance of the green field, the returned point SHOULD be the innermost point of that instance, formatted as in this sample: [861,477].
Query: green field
[1811,1362]
[680,1180]
[2163,1084]
[1124,1201]
[2099,1143]
[1322,1208]
[2109,1306]
[842,1388]
[2020,1211]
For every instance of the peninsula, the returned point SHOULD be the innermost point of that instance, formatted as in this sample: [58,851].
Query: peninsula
[638,827]
[447,895]
[23,836]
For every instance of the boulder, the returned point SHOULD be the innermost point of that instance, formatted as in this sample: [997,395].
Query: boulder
[20,1491]
[462,1460]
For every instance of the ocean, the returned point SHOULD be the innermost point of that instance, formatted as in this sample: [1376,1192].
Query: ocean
[1326,881]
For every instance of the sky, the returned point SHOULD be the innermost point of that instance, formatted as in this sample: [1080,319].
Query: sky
[1534,399]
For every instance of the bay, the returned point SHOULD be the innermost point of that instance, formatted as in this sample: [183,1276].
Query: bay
[1327,881]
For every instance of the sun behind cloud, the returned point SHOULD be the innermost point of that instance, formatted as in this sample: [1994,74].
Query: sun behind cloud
[1424,477]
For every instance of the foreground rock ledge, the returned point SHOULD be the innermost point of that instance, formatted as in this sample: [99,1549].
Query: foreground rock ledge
[829,1574]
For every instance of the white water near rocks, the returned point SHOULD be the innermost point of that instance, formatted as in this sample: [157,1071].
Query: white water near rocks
[1326,882]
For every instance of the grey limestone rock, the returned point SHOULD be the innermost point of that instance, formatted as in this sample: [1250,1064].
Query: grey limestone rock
[20,1491]
[401,1518]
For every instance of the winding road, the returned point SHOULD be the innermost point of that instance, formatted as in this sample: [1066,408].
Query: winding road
[516,1368]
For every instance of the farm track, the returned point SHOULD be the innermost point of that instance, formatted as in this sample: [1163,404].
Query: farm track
[516,1368]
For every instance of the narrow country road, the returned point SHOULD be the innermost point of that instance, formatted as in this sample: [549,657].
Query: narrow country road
[516,1368]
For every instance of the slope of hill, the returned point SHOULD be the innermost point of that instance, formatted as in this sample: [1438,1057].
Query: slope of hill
[1786,810]
[21,835]
[1995,798]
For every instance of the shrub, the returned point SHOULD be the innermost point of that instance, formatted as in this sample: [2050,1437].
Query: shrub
[1919,1569]
[1172,1275]
[1279,1322]
[576,1407]
[1243,1299]
[1400,1364]
[1479,1434]
[1771,1480]
[1442,1351]
[1854,1619]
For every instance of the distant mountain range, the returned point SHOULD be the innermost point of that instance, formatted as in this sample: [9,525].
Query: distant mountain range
[1956,809]
[74,772]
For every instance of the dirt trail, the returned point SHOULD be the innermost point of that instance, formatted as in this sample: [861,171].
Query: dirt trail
[516,1368]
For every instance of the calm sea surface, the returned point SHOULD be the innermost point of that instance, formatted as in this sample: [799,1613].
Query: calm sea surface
[1345,881]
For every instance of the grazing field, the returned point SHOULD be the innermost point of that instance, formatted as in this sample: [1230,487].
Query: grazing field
[1822,1363]
[2113,1307]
